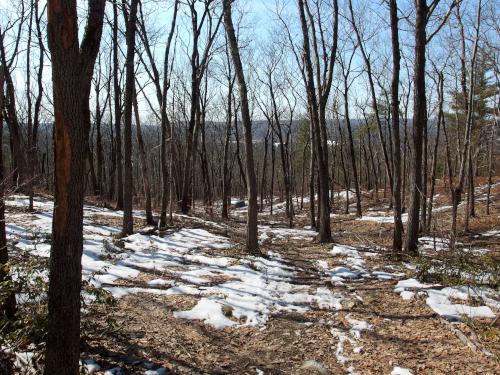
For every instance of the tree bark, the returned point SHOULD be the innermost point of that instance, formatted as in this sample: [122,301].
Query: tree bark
[317,111]
[8,308]
[128,181]
[72,68]
[118,111]
[252,243]
[435,153]
[397,240]
[419,122]
[144,165]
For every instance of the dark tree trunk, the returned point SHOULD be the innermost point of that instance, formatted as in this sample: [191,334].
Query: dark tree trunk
[312,174]
[351,150]
[118,111]
[9,305]
[72,68]
[397,240]
[264,167]
[16,141]
[490,165]
[144,164]
[252,238]
[225,169]
[317,111]
[128,181]
[419,123]
[435,151]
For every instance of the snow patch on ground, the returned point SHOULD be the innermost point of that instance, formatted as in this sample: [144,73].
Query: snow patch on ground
[186,261]
[441,300]
[381,217]
[353,266]
[400,371]
[267,233]
[351,337]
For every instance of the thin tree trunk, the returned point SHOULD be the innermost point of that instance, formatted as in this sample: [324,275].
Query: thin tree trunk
[128,182]
[465,152]
[419,123]
[225,168]
[490,166]
[8,309]
[118,111]
[435,152]
[252,243]
[144,164]
[351,150]
[397,240]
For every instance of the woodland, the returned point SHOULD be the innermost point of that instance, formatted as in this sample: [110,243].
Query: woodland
[249,187]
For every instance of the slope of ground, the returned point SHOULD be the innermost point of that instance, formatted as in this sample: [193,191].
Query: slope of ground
[189,301]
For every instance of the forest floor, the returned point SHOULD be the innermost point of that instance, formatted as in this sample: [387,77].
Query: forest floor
[190,301]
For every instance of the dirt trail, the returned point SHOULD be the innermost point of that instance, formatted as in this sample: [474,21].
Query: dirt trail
[375,332]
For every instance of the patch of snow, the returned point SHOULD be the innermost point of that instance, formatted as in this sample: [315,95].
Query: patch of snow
[354,334]
[400,371]
[407,295]
[158,371]
[381,217]
[279,234]
[358,326]
[89,366]
[209,311]
[491,233]
[440,300]
[114,371]
[160,282]
[410,283]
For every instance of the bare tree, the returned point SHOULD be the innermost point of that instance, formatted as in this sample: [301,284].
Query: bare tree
[117,110]
[318,91]
[72,68]
[252,238]
[128,187]
[199,62]
[9,306]
[397,241]
[17,143]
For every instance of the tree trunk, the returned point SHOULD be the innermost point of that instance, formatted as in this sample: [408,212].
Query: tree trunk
[419,122]
[316,109]
[72,68]
[15,133]
[144,164]
[128,181]
[397,240]
[118,111]
[465,152]
[351,150]
[490,165]
[99,149]
[252,238]
[225,168]
[9,306]
[435,152]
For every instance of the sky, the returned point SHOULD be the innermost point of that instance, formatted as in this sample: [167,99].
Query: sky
[259,29]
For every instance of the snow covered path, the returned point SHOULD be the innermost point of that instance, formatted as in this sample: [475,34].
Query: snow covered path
[179,263]
[191,302]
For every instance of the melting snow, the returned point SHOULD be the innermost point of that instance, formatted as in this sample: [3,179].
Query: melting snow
[400,371]
[252,287]
[382,217]
[440,301]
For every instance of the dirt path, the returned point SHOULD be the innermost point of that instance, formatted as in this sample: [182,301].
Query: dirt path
[374,332]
